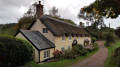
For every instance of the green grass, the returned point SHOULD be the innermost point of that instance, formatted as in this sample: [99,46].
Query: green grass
[110,52]
[62,63]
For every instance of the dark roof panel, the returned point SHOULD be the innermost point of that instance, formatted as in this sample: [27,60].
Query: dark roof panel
[37,39]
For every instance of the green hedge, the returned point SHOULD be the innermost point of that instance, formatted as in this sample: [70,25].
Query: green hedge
[14,52]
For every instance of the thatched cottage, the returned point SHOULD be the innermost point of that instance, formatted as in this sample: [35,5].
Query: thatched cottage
[46,34]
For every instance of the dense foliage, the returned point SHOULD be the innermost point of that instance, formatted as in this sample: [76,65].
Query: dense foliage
[100,33]
[14,52]
[7,29]
[110,38]
[115,59]
[76,51]
[93,39]
[106,8]
[117,32]
[24,22]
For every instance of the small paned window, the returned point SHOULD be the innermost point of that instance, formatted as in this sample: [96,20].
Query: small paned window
[46,54]
[45,30]
[68,47]
[62,49]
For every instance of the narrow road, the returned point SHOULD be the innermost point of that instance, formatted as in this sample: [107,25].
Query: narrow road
[97,60]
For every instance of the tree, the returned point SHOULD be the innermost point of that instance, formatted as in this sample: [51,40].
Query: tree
[24,22]
[27,19]
[117,32]
[92,16]
[106,8]
[54,12]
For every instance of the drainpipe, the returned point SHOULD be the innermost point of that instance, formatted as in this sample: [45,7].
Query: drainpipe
[39,55]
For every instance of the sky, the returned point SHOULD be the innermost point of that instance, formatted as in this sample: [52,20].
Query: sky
[12,10]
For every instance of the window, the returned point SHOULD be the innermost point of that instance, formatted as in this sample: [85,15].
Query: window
[68,47]
[75,37]
[46,54]
[70,37]
[79,37]
[63,38]
[45,30]
[62,49]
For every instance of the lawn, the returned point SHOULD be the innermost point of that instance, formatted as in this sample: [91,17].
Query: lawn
[62,63]
[110,52]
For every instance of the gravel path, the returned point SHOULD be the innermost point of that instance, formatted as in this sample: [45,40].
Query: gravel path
[96,60]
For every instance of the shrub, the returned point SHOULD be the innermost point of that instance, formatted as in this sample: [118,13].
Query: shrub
[14,52]
[57,54]
[79,50]
[115,59]
[109,39]
[95,46]
[93,39]
[70,54]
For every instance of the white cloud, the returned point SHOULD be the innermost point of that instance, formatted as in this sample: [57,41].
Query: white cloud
[22,9]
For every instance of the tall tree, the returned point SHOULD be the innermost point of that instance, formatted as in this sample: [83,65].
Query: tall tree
[27,18]
[54,12]
[92,16]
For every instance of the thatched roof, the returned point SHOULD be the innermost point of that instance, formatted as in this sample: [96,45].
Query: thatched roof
[58,27]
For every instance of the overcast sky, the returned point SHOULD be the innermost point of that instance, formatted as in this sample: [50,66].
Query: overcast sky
[12,10]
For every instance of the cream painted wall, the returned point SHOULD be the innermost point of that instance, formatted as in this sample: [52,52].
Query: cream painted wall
[42,54]
[39,27]
[36,58]
[36,52]
[60,44]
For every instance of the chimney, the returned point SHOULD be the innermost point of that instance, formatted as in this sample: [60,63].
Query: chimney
[39,10]
[81,25]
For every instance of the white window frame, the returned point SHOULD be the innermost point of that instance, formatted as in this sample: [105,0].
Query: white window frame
[68,47]
[62,49]
[79,38]
[63,38]
[75,36]
[70,37]
[46,54]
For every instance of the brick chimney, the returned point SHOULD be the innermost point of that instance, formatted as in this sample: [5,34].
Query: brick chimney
[39,10]
[81,25]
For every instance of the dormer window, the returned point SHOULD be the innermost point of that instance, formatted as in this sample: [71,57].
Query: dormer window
[45,30]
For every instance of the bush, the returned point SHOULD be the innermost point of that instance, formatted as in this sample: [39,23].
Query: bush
[70,54]
[14,52]
[76,51]
[57,54]
[115,59]
[79,50]
[93,39]
[109,39]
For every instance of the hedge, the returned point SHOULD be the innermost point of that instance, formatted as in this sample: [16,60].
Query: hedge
[14,52]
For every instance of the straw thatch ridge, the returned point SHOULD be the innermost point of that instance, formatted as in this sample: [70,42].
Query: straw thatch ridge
[59,28]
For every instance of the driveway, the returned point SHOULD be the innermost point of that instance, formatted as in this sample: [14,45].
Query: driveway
[96,60]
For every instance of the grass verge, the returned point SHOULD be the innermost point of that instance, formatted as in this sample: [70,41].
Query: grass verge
[110,52]
[62,63]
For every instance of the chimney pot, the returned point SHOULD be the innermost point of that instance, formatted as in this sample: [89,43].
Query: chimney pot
[81,25]
[39,2]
